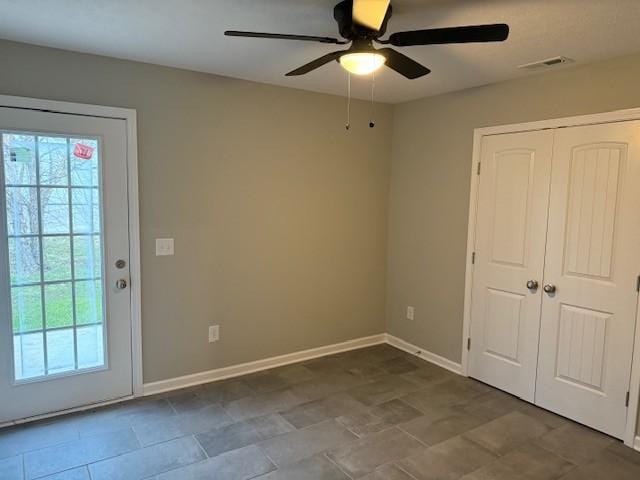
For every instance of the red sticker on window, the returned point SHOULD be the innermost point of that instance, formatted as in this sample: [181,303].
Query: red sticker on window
[82,151]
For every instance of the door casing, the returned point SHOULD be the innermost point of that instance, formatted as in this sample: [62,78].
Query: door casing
[479,133]
[130,117]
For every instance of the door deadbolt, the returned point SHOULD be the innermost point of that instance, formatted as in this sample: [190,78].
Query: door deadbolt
[120,264]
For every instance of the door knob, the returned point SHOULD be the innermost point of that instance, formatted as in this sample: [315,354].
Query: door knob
[532,284]
[548,288]
[121,284]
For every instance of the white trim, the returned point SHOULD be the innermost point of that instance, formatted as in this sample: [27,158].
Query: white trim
[636,443]
[258,365]
[594,119]
[424,354]
[129,116]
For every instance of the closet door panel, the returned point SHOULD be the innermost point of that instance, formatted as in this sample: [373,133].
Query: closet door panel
[593,260]
[510,243]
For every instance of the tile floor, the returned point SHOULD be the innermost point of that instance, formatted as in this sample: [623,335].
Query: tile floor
[373,414]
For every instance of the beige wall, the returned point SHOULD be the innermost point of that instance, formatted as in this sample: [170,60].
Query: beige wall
[430,176]
[278,214]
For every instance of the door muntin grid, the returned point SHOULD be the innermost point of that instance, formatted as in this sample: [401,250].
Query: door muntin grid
[52,206]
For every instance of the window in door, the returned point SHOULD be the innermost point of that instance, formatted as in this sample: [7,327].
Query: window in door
[53,220]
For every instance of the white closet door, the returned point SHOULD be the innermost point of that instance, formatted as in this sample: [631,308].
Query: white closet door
[510,247]
[593,260]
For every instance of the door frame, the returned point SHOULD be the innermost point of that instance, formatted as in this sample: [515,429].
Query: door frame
[478,134]
[130,118]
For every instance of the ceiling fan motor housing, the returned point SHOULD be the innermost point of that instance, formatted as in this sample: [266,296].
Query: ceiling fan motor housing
[343,14]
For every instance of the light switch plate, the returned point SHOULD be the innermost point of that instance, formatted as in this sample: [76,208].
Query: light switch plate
[164,246]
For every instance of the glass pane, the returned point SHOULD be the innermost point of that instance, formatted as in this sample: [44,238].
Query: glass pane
[28,355]
[87,256]
[22,210]
[89,302]
[58,305]
[52,186]
[55,210]
[56,253]
[86,210]
[60,351]
[52,154]
[90,347]
[84,162]
[26,308]
[24,260]
[19,152]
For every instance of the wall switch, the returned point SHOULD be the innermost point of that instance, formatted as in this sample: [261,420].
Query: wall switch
[164,246]
[214,333]
[410,313]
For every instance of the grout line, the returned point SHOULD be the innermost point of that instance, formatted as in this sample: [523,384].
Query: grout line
[337,465]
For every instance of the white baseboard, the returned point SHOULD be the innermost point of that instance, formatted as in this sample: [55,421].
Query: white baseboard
[250,367]
[424,354]
[636,443]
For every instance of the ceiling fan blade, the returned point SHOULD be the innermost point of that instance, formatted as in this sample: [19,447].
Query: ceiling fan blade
[437,36]
[370,13]
[317,63]
[282,36]
[403,64]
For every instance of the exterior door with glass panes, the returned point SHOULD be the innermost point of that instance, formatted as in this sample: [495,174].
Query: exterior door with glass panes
[65,321]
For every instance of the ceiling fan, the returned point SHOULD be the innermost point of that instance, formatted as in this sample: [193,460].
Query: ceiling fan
[362,22]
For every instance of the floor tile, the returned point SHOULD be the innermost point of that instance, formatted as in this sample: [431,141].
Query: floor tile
[79,452]
[294,446]
[448,460]
[364,456]
[575,443]
[395,411]
[428,374]
[241,464]
[446,394]
[388,472]
[262,404]
[398,366]
[80,473]
[605,466]
[529,462]
[188,402]
[327,384]
[432,432]
[208,418]
[23,438]
[313,468]
[225,391]
[363,424]
[149,461]
[628,454]
[11,468]
[507,432]
[241,434]
[326,408]
[382,390]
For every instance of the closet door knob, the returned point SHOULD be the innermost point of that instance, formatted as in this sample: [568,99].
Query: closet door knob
[550,288]
[532,284]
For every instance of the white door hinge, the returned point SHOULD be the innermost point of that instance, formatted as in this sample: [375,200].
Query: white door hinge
[473,258]
[479,167]
[469,343]
[626,402]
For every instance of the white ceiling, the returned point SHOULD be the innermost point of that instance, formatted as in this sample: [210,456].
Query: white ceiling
[189,34]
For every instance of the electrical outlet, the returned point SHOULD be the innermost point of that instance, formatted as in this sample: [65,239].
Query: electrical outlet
[214,333]
[410,313]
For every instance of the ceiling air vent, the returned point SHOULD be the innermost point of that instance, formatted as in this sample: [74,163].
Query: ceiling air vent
[549,62]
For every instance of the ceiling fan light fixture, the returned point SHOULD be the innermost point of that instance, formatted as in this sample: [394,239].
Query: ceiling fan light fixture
[362,63]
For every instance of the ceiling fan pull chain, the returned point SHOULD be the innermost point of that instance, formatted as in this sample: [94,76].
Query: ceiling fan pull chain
[372,122]
[348,101]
